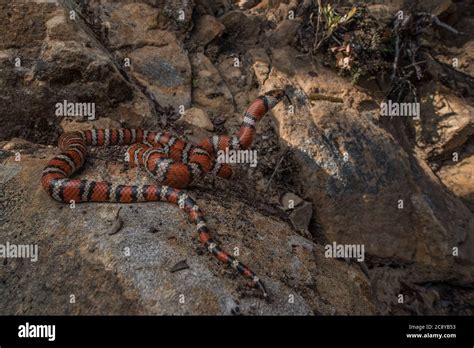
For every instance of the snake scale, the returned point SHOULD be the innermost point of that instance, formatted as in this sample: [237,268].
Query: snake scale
[173,162]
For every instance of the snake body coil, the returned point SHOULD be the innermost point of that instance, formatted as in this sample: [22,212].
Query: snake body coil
[171,161]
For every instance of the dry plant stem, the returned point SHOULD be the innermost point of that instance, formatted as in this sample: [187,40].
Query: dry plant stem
[276,169]
[316,43]
[439,23]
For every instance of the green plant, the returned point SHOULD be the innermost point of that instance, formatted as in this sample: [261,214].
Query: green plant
[334,20]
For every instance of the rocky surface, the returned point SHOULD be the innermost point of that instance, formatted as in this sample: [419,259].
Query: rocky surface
[457,174]
[197,117]
[130,271]
[390,185]
[448,125]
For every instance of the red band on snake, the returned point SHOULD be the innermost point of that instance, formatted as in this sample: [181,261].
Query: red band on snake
[171,161]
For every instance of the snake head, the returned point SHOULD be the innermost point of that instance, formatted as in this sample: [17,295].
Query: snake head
[274,97]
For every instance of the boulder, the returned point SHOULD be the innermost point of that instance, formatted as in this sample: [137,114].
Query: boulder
[165,71]
[363,179]
[215,7]
[207,28]
[198,118]
[240,27]
[301,216]
[134,25]
[60,60]
[209,90]
[131,271]
[289,200]
[446,123]
[365,188]
[285,33]
[459,177]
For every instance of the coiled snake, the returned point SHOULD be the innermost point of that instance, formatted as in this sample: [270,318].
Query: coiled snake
[173,162]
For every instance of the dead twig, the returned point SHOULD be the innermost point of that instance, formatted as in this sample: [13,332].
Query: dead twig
[316,41]
[413,64]
[439,23]
[276,168]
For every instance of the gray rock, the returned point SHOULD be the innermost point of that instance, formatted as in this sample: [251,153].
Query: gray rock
[355,173]
[207,28]
[240,26]
[209,90]
[289,201]
[129,272]
[165,71]
[285,33]
[198,118]
[301,216]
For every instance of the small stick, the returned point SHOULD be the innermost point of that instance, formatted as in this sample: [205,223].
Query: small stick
[316,44]
[436,20]
[276,168]
[413,64]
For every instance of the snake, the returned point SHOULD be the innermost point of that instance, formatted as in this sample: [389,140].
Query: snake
[174,163]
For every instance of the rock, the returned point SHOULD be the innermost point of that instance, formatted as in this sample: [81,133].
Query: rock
[366,177]
[57,27]
[72,125]
[179,266]
[438,7]
[459,178]
[247,4]
[198,118]
[60,60]
[277,11]
[260,63]
[363,185]
[116,227]
[466,54]
[285,33]
[29,18]
[446,123]
[289,200]
[17,144]
[129,272]
[231,74]
[135,25]
[165,71]
[209,90]
[216,7]
[240,27]
[207,29]
[381,12]
[301,216]
[148,22]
